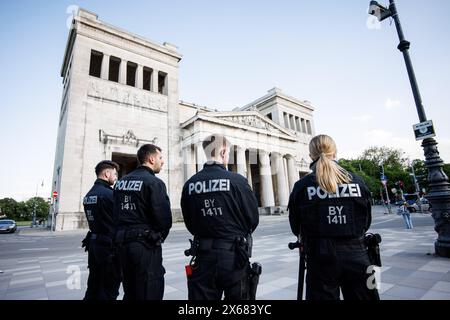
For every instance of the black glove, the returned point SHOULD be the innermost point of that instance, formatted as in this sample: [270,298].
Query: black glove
[85,241]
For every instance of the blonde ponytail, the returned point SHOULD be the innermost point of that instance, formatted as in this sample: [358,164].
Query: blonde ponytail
[328,173]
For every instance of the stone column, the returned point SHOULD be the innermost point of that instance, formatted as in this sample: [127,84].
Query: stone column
[123,72]
[249,175]
[189,162]
[292,172]
[266,180]
[105,67]
[201,157]
[154,82]
[278,169]
[241,163]
[139,76]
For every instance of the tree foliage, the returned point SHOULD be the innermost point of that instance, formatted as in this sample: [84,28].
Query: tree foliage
[23,211]
[397,169]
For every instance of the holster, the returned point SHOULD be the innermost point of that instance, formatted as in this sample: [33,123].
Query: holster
[193,250]
[243,252]
[373,249]
[255,271]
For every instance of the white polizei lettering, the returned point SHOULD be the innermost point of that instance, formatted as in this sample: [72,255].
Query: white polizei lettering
[334,195]
[344,193]
[191,187]
[321,193]
[131,185]
[198,187]
[352,190]
[90,200]
[208,186]
[215,185]
[311,192]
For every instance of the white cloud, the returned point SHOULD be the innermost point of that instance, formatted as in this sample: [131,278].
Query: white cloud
[363,117]
[392,104]
[377,136]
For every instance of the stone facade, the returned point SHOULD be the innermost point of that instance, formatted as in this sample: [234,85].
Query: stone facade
[120,91]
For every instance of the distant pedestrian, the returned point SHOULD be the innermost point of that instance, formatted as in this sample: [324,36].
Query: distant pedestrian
[403,210]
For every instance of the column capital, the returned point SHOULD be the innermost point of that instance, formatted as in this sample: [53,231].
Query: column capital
[289,156]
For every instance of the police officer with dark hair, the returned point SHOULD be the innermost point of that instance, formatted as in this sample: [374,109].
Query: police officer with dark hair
[221,211]
[104,268]
[331,210]
[143,216]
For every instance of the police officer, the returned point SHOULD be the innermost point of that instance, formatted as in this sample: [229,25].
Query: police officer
[142,212]
[330,208]
[104,268]
[220,210]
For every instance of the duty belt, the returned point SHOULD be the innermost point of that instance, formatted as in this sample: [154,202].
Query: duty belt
[207,244]
[101,238]
[137,233]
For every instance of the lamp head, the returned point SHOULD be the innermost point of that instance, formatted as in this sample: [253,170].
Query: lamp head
[379,11]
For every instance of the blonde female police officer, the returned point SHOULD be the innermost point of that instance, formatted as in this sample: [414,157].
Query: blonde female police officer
[331,210]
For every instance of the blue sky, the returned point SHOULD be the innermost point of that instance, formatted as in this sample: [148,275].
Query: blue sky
[233,52]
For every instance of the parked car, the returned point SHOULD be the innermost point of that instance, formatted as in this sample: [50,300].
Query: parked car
[8,226]
[414,207]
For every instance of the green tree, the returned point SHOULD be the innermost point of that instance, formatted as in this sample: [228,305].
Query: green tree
[447,169]
[384,155]
[421,172]
[42,207]
[23,211]
[9,208]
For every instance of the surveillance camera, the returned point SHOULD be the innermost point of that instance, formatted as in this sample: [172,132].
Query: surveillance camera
[379,11]
[374,8]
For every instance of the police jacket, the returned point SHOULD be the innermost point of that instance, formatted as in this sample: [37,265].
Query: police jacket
[98,207]
[220,204]
[140,199]
[345,214]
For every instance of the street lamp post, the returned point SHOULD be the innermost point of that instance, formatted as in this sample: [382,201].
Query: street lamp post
[388,201]
[439,195]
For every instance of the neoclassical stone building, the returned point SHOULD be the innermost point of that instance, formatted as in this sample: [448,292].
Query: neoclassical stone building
[120,91]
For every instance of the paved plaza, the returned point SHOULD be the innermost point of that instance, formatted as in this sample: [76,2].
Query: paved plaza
[36,264]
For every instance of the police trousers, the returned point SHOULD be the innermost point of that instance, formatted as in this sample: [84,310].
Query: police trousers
[142,269]
[347,269]
[104,272]
[215,275]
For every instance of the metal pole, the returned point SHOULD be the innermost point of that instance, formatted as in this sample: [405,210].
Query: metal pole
[416,185]
[33,224]
[387,193]
[404,48]
[439,195]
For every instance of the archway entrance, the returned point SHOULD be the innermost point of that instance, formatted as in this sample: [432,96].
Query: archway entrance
[126,162]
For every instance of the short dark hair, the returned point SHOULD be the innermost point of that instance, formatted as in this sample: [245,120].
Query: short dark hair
[105,164]
[214,142]
[145,151]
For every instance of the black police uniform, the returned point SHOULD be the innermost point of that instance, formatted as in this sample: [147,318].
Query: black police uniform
[332,227]
[104,268]
[220,210]
[142,212]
